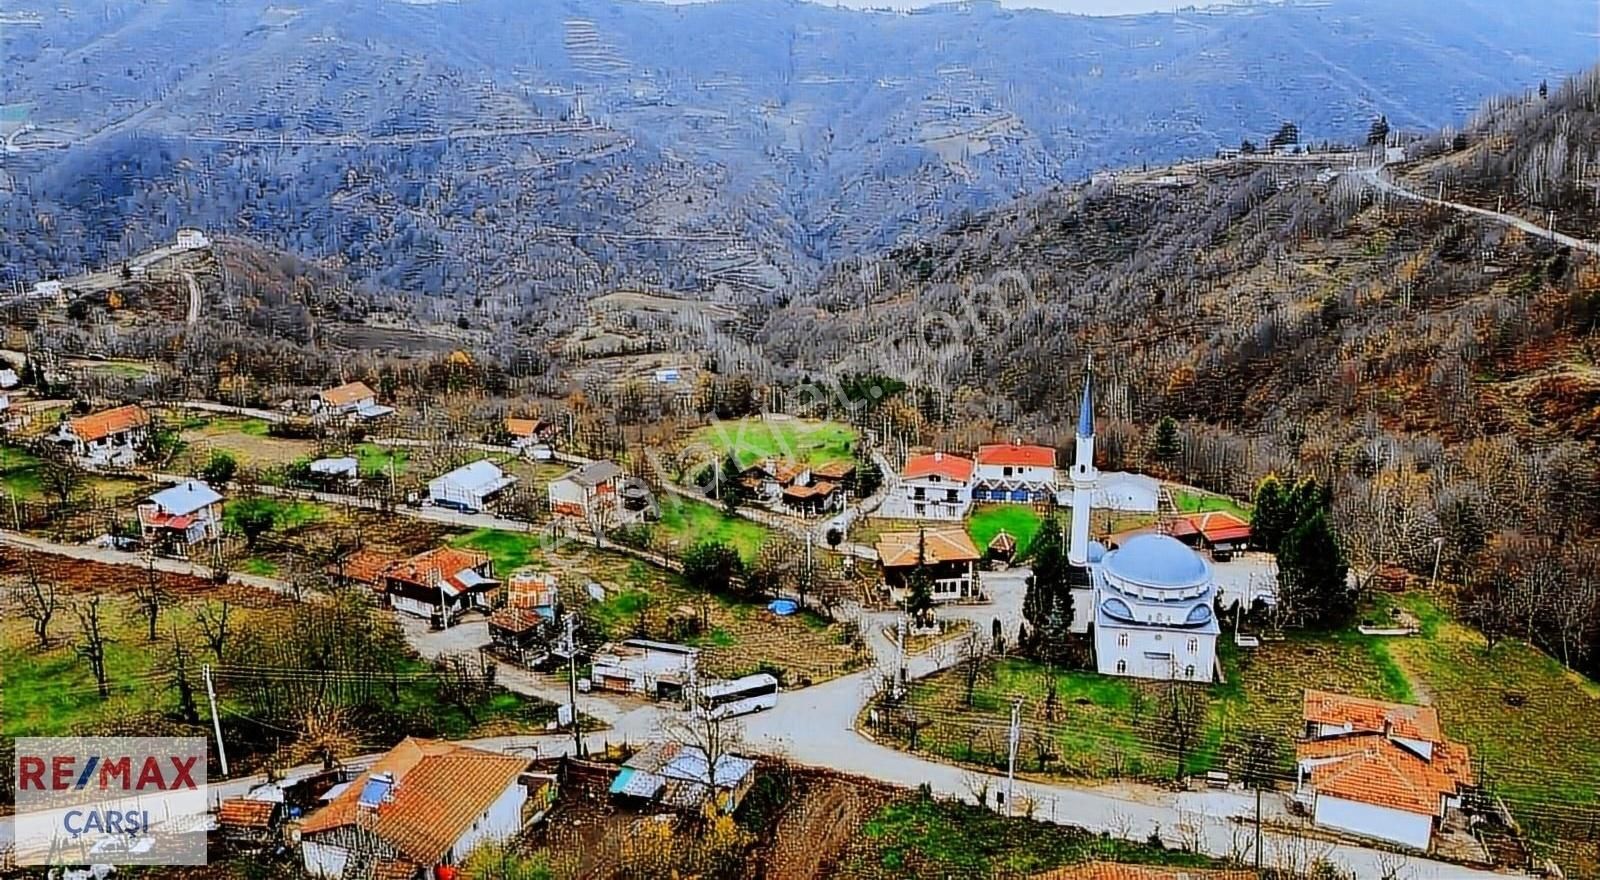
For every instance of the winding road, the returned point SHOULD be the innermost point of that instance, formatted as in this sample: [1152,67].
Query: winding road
[1375,178]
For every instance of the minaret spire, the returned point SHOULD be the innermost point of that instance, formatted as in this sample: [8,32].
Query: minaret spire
[1084,476]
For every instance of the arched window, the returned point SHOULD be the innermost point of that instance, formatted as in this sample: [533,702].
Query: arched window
[1122,640]
[1122,667]
[1188,671]
[1194,646]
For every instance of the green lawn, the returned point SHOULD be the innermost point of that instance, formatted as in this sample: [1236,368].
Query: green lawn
[802,440]
[1190,501]
[1021,521]
[509,550]
[19,473]
[918,836]
[287,513]
[689,522]
[375,460]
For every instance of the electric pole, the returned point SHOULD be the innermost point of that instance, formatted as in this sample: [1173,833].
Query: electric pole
[572,686]
[1013,737]
[216,720]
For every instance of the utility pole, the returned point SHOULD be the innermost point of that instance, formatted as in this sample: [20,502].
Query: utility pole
[1012,739]
[572,686]
[1438,551]
[216,720]
[899,657]
[1258,827]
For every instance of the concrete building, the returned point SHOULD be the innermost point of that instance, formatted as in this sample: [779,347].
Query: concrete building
[587,493]
[1379,769]
[469,488]
[179,517]
[190,238]
[937,485]
[423,804]
[111,438]
[1015,472]
[642,666]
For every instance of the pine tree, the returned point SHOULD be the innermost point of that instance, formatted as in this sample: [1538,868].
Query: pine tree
[1286,135]
[1167,443]
[1313,576]
[919,584]
[1269,518]
[1046,589]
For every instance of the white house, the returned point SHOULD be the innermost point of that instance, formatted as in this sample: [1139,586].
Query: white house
[52,290]
[1015,472]
[937,485]
[1378,769]
[352,399]
[642,666]
[8,379]
[586,492]
[470,487]
[425,803]
[190,238]
[178,517]
[109,438]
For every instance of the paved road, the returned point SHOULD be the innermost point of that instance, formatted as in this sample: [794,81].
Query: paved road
[1375,177]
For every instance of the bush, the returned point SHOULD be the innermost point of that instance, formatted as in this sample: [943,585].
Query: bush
[219,471]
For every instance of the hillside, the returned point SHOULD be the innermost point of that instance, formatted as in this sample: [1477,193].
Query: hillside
[506,152]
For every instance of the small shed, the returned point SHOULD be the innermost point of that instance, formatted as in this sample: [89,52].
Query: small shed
[469,488]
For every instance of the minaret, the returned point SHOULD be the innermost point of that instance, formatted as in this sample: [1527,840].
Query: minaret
[1084,476]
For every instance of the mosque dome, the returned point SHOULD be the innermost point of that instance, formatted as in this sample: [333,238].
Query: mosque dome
[1158,561]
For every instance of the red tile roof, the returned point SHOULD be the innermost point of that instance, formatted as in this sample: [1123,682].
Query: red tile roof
[367,566]
[947,544]
[1373,769]
[444,562]
[1114,871]
[100,425]
[524,427]
[1363,715]
[345,394]
[1215,526]
[246,813]
[439,790]
[951,467]
[1017,455]
[515,620]
[834,470]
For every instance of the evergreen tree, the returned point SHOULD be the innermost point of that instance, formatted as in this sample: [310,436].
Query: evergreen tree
[731,490]
[868,478]
[1313,576]
[1378,134]
[1269,518]
[1286,135]
[1047,589]
[919,584]
[1167,442]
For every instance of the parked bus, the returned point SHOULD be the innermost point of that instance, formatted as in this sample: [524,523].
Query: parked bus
[738,697]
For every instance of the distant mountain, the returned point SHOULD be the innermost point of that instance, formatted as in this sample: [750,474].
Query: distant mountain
[505,151]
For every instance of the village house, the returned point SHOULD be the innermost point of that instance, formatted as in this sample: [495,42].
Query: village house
[111,438]
[766,479]
[680,776]
[515,629]
[1218,531]
[937,485]
[444,579]
[525,434]
[334,471]
[1015,472]
[642,666]
[190,238]
[353,400]
[946,553]
[1378,769]
[249,820]
[811,499]
[471,487]
[587,493]
[177,518]
[423,804]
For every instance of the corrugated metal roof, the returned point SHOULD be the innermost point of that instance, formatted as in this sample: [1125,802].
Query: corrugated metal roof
[185,498]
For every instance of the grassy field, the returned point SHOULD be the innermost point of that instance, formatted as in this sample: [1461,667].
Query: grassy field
[1021,521]
[19,472]
[689,522]
[919,836]
[802,440]
[1190,501]
[287,514]
[374,460]
[246,439]
[741,637]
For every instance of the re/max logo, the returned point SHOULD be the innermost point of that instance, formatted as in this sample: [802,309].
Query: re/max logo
[68,773]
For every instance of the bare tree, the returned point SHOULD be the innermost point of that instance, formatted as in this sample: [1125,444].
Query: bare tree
[91,645]
[39,602]
[974,651]
[150,597]
[1182,713]
[213,622]
[715,737]
[60,473]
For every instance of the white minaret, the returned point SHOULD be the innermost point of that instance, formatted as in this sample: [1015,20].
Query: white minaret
[1084,476]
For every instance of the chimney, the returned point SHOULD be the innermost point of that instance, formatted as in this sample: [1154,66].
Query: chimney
[938,456]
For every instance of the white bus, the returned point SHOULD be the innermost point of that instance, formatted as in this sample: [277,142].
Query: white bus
[738,697]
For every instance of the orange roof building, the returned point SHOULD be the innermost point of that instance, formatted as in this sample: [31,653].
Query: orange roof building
[346,397]
[1216,529]
[951,468]
[447,578]
[423,803]
[1017,455]
[109,437]
[1016,472]
[946,554]
[936,485]
[1379,769]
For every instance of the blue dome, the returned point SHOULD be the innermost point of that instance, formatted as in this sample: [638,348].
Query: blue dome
[1117,610]
[1158,561]
[1097,551]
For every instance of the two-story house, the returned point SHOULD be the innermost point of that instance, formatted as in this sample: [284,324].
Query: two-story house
[176,519]
[937,485]
[1015,472]
[111,438]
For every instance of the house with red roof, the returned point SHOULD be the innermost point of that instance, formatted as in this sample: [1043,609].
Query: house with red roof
[935,485]
[1378,769]
[444,579]
[110,437]
[1015,472]
[1219,531]
[176,519]
[422,805]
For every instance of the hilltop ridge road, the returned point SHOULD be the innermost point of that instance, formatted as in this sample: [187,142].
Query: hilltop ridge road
[1375,177]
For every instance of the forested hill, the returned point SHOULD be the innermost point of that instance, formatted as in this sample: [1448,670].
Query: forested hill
[1440,369]
[728,149]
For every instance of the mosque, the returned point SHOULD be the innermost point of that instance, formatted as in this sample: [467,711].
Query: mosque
[1151,601]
